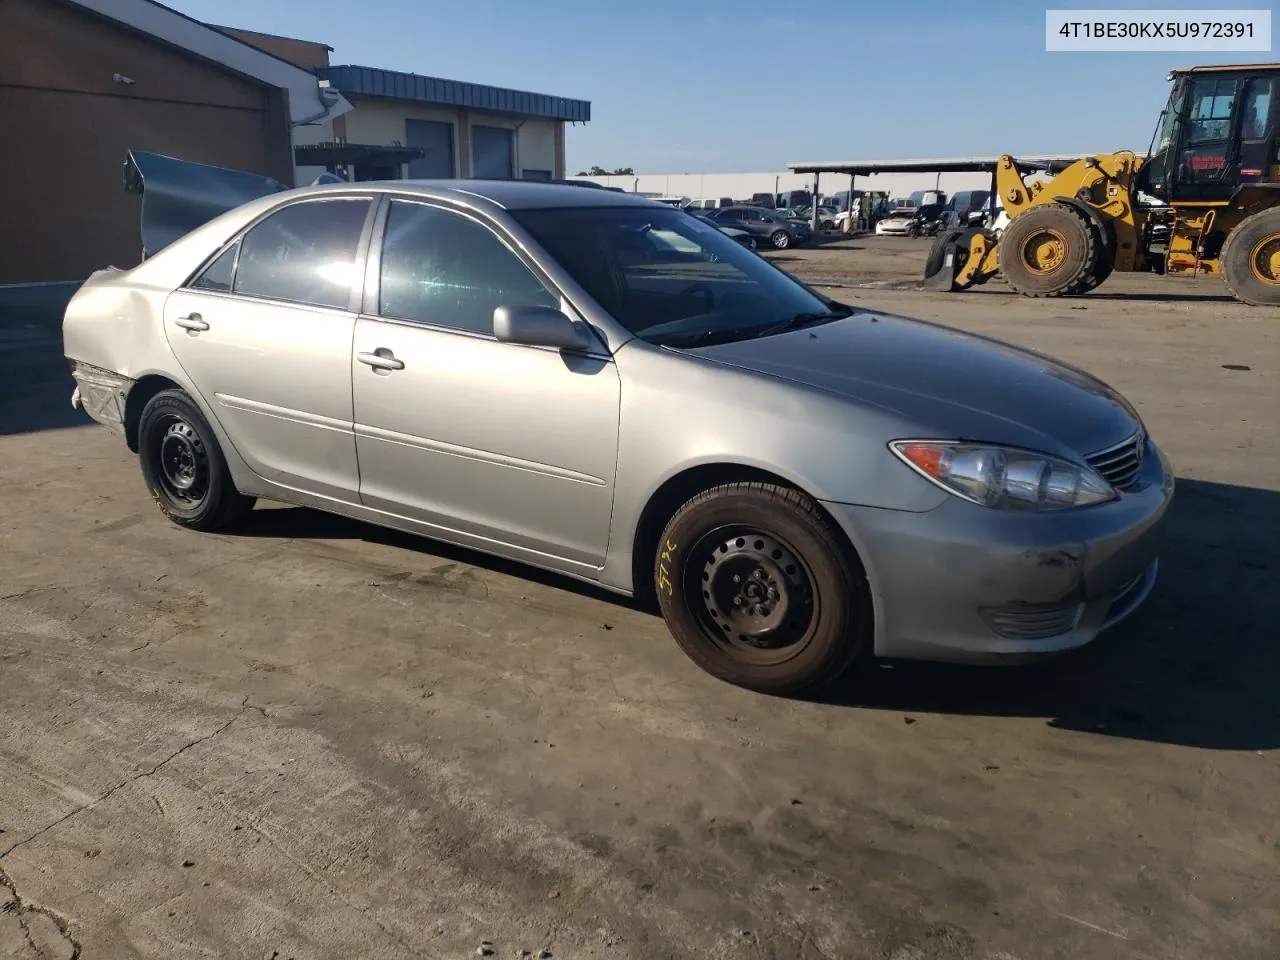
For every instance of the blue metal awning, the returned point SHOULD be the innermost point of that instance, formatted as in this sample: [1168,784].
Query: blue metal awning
[373,82]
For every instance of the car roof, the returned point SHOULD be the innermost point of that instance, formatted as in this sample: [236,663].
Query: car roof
[508,194]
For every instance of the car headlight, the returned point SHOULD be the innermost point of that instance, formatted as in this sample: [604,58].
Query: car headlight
[1004,477]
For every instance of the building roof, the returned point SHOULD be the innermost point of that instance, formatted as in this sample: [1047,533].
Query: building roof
[308,101]
[375,82]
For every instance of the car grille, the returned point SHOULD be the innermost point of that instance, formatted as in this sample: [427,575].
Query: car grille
[1119,465]
[1027,622]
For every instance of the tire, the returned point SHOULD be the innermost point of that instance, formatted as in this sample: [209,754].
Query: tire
[183,465]
[780,239]
[1069,238]
[1102,269]
[1249,259]
[810,611]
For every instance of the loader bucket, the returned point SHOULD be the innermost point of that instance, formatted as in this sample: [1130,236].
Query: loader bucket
[946,257]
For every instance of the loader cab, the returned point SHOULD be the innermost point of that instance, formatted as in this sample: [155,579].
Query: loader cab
[1217,134]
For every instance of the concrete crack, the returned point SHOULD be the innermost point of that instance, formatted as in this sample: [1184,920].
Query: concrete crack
[244,706]
[24,908]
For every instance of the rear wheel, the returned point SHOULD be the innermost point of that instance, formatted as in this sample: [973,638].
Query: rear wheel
[1251,259]
[184,467]
[758,589]
[780,239]
[1048,251]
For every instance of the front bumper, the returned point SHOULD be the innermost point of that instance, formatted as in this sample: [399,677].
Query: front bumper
[966,583]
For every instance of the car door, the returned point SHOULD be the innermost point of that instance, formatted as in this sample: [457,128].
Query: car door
[501,446]
[264,335]
[1206,167]
[758,223]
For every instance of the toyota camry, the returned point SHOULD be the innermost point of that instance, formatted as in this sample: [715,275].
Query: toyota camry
[596,384]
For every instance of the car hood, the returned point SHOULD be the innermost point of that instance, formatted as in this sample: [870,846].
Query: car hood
[947,384]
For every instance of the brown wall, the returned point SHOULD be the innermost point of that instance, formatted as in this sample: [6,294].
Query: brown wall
[301,53]
[68,128]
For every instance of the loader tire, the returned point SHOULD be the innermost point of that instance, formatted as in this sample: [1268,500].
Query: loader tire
[1048,251]
[1102,269]
[1251,259]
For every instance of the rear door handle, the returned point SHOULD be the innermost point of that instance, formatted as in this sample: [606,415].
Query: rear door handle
[381,359]
[193,322]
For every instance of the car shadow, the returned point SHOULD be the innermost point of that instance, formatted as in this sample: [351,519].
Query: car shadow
[35,381]
[303,523]
[1198,665]
[1169,297]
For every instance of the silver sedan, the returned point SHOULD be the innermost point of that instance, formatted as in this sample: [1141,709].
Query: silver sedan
[598,385]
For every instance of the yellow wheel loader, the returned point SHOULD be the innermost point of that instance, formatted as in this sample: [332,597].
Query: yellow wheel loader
[1206,199]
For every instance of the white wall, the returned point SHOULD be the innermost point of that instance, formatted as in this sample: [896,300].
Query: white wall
[381,122]
[536,146]
[740,186]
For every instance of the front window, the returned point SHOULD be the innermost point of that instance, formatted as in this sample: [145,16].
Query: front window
[1212,101]
[669,278]
[448,270]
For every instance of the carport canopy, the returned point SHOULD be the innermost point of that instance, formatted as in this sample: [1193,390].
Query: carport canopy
[331,154]
[1050,163]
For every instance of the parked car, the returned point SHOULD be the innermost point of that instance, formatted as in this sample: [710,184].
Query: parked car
[826,216]
[762,200]
[774,226]
[748,240]
[967,208]
[602,386]
[902,222]
[913,221]
[711,203]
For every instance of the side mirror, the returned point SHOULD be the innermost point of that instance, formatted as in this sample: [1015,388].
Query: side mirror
[536,326]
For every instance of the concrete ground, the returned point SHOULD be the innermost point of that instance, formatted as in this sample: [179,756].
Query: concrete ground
[310,738]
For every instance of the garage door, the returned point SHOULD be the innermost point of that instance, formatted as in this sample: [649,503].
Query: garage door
[436,138]
[492,153]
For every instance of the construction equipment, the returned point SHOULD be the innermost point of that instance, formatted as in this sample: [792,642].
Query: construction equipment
[1205,199]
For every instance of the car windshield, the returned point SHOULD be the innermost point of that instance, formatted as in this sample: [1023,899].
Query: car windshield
[671,279]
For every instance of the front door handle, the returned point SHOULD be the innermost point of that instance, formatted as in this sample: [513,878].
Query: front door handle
[193,322]
[381,359]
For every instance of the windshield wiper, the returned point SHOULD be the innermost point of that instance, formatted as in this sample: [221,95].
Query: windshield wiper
[839,312]
[703,338]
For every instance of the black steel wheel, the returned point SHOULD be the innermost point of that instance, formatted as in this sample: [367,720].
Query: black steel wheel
[758,587]
[183,464]
[757,595]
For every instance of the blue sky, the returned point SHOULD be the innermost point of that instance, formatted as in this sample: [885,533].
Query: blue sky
[704,86]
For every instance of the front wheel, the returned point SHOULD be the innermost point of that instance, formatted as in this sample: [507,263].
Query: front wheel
[1251,259]
[759,590]
[184,467]
[780,239]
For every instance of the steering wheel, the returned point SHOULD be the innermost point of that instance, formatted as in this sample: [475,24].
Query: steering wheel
[698,292]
